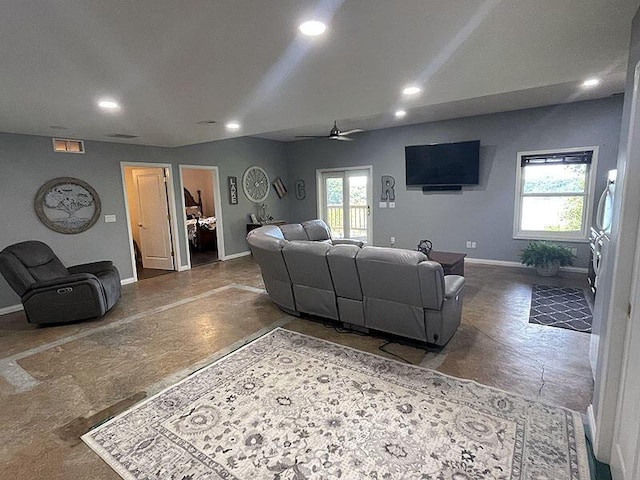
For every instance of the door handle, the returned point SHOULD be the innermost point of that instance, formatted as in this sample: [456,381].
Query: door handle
[368,210]
[140,225]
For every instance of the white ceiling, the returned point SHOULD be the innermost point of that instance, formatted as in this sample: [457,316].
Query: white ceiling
[174,63]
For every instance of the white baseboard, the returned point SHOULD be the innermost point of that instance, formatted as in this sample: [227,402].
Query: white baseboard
[11,309]
[505,263]
[237,255]
[127,281]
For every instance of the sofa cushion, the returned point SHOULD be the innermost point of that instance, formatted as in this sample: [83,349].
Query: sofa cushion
[344,272]
[307,264]
[293,231]
[317,230]
[390,274]
[431,284]
[312,286]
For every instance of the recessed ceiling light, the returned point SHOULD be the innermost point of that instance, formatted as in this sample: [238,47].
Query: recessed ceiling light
[233,126]
[108,104]
[590,83]
[312,28]
[411,90]
[400,113]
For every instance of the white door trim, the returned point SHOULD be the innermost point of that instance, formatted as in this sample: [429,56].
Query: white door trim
[218,206]
[320,189]
[619,273]
[171,197]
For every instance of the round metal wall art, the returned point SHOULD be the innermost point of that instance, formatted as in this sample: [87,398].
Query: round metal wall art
[255,183]
[67,205]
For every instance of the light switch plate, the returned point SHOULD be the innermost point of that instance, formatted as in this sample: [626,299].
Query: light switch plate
[109,218]
[392,204]
[382,205]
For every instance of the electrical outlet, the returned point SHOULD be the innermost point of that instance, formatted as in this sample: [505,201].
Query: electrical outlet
[109,218]
[392,240]
[473,244]
[468,244]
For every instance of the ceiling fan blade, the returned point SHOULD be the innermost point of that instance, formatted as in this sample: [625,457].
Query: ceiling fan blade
[340,137]
[349,132]
[310,136]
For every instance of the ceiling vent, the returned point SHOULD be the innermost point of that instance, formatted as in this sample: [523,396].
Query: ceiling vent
[122,135]
[67,145]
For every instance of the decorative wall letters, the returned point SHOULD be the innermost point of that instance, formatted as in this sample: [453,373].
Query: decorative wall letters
[301,192]
[233,190]
[388,192]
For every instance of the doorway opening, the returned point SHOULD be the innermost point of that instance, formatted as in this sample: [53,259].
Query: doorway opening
[149,199]
[202,213]
[344,201]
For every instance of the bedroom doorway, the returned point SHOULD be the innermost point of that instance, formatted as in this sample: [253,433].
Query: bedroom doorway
[151,224]
[202,213]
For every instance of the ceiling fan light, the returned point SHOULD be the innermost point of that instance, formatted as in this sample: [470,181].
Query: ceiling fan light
[411,90]
[108,104]
[591,82]
[312,28]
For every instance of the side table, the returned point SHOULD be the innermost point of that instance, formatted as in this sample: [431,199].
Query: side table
[452,263]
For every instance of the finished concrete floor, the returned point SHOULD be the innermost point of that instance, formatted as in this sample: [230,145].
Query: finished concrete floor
[57,382]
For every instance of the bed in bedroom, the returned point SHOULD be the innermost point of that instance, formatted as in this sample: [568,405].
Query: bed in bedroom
[201,230]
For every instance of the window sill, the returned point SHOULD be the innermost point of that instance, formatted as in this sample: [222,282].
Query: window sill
[552,238]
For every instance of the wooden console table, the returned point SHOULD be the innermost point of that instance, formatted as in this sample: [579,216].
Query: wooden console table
[452,263]
[253,226]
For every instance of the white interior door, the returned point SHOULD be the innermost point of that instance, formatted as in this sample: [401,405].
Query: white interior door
[153,218]
[345,203]
[625,452]
[626,439]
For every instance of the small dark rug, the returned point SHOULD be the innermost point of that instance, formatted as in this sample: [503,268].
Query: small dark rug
[560,307]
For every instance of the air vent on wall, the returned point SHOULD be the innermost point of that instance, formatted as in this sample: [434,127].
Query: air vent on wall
[67,145]
[122,135]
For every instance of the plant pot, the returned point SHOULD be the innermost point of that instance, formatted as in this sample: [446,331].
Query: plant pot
[548,269]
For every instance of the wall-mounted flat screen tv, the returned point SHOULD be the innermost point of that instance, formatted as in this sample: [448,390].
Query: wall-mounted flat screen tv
[443,163]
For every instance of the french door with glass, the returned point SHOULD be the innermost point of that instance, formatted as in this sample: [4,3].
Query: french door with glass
[344,202]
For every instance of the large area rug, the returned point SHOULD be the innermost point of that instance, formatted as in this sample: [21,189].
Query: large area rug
[560,307]
[288,406]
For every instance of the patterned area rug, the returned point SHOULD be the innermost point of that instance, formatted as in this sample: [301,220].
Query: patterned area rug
[288,406]
[560,307]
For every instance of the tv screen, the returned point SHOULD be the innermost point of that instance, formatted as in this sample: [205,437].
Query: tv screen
[443,163]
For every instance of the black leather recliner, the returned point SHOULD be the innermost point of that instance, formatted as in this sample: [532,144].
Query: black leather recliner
[52,293]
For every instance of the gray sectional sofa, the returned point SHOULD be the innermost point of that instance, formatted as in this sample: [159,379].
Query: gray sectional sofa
[387,289]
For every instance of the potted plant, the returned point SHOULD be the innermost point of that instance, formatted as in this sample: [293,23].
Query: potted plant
[547,257]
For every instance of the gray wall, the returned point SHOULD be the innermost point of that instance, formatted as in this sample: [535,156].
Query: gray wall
[233,157]
[482,213]
[26,162]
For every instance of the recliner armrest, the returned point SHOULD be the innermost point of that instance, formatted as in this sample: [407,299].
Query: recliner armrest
[93,267]
[62,281]
[348,241]
[452,285]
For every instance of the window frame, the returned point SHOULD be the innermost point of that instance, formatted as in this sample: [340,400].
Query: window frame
[590,184]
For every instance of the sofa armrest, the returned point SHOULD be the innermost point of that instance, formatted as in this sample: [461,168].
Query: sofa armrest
[63,281]
[453,285]
[93,268]
[347,241]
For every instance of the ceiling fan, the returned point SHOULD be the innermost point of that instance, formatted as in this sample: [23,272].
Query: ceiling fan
[334,134]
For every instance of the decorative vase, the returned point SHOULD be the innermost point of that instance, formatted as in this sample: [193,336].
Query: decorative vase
[549,269]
